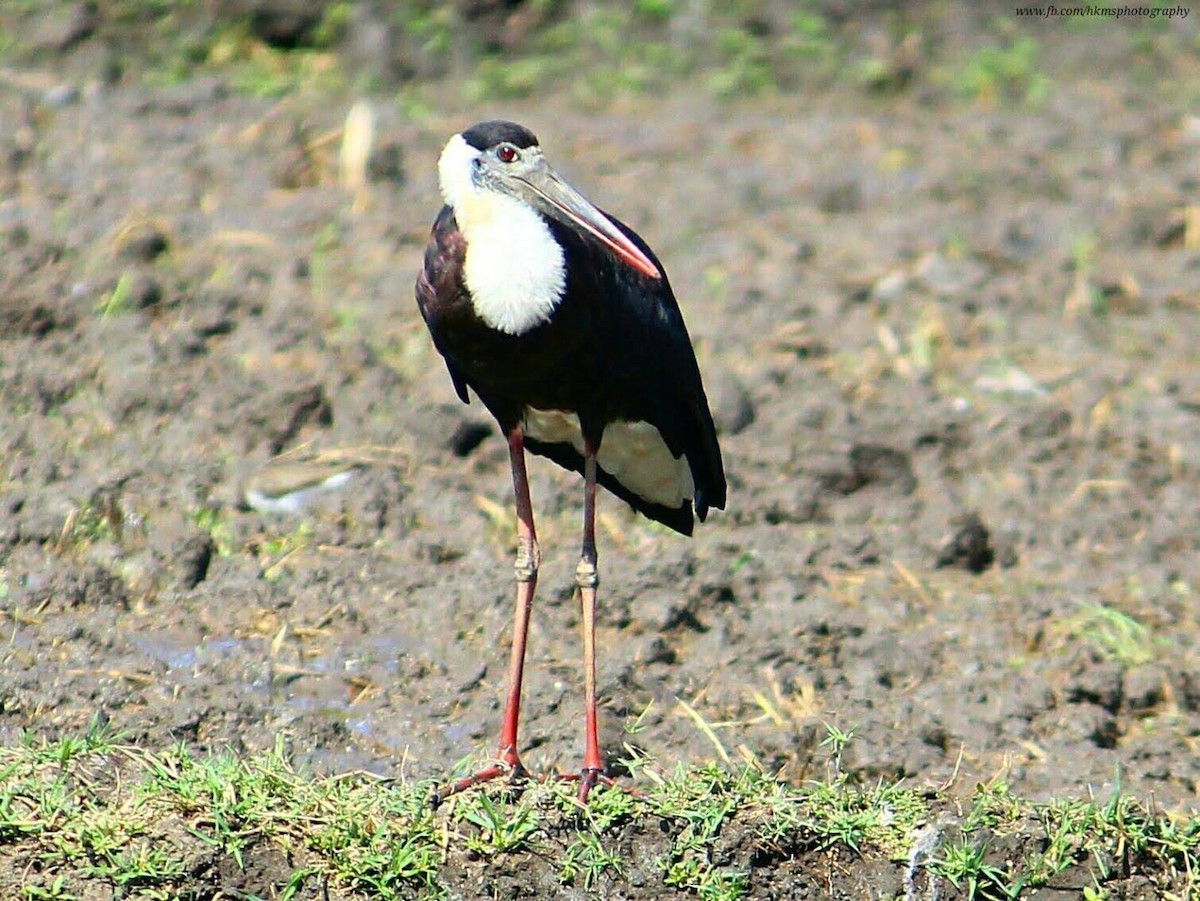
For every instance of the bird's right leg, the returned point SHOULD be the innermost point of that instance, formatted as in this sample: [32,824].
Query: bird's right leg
[525,571]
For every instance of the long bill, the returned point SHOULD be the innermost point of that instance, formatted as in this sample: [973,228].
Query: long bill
[552,195]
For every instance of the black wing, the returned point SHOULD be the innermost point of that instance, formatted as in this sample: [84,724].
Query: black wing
[649,365]
[440,291]
[664,348]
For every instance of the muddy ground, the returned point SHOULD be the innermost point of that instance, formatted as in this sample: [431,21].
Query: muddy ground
[951,345]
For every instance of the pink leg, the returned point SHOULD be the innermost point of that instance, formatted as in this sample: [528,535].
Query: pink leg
[587,578]
[526,569]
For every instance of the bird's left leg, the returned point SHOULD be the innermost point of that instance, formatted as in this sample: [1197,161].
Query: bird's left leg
[587,577]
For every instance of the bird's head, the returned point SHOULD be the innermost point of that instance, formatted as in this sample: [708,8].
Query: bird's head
[504,158]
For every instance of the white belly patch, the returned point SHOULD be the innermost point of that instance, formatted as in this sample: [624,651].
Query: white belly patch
[631,452]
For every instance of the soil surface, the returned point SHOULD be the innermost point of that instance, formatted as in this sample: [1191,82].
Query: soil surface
[951,345]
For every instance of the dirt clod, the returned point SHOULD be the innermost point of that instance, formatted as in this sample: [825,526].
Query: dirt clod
[968,546]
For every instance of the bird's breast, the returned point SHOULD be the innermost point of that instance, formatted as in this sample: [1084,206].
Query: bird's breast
[514,270]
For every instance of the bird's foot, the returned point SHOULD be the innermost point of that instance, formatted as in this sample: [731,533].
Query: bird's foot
[588,778]
[509,765]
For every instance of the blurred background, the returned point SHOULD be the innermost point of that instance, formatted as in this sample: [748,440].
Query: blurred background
[597,52]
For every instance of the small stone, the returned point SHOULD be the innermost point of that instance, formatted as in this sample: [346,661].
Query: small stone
[843,197]
[733,409]
[1144,687]
[1097,683]
[1076,723]
[62,27]
[878,464]
[968,546]
[142,242]
[192,558]
[469,676]
[796,502]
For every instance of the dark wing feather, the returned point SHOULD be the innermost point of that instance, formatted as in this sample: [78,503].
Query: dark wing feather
[675,362]
[649,363]
[439,284]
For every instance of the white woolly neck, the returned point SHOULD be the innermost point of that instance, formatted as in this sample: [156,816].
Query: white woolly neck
[514,269]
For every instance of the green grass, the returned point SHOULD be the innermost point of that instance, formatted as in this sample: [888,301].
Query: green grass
[1072,832]
[598,50]
[91,521]
[1007,72]
[89,812]
[1115,634]
[276,552]
[209,519]
[119,300]
[256,69]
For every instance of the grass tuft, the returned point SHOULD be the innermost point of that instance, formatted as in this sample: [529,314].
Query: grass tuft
[1007,73]
[1114,634]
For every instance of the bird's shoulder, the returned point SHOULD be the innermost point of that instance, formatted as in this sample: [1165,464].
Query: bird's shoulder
[628,297]
[648,314]
[445,249]
[441,294]
[441,291]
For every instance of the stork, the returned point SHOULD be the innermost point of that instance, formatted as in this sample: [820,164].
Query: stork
[560,318]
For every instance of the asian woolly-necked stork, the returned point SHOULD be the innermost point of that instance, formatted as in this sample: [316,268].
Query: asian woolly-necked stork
[561,320]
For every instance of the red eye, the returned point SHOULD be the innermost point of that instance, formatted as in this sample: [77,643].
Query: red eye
[506,154]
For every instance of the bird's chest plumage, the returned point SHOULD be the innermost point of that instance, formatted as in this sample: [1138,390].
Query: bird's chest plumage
[507,317]
[513,268]
[548,364]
